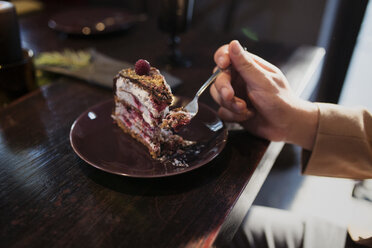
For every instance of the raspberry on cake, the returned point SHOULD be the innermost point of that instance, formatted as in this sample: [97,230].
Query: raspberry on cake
[142,100]
[142,67]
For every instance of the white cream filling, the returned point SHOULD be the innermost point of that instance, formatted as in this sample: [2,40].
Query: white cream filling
[121,111]
[125,89]
[145,112]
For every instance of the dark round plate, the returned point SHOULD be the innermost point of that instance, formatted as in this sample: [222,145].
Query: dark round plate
[101,143]
[91,21]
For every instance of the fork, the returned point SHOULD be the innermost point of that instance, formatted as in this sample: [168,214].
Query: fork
[192,107]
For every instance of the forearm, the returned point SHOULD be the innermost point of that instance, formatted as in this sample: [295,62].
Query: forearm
[303,124]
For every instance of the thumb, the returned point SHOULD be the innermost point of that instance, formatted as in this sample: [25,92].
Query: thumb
[244,64]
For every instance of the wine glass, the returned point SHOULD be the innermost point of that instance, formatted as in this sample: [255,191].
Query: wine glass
[175,18]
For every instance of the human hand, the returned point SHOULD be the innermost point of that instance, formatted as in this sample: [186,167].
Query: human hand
[256,94]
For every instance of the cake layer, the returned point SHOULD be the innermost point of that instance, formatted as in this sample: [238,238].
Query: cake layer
[159,141]
[154,149]
[131,94]
[154,83]
[134,118]
[134,124]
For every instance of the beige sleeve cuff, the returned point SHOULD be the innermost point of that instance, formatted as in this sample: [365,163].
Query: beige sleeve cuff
[343,144]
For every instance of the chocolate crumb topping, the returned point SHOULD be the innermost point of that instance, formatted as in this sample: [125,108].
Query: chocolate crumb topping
[153,83]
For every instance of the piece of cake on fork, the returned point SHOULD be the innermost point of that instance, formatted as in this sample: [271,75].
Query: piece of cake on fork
[142,101]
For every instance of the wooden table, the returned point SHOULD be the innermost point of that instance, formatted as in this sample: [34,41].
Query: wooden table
[51,198]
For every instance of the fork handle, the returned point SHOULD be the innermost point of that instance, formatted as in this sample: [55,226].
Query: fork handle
[208,82]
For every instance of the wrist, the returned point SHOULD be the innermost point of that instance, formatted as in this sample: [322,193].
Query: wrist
[304,125]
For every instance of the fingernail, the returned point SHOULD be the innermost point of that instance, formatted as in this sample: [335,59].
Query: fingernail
[220,61]
[224,92]
[248,114]
[236,49]
[238,106]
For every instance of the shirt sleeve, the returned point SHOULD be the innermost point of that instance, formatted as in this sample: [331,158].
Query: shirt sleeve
[343,143]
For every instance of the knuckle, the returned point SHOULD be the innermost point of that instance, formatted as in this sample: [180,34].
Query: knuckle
[246,63]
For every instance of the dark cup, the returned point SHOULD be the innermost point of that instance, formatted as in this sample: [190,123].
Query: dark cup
[18,78]
[175,16]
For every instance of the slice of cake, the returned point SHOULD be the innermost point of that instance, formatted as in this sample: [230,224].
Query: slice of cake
[142,100]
